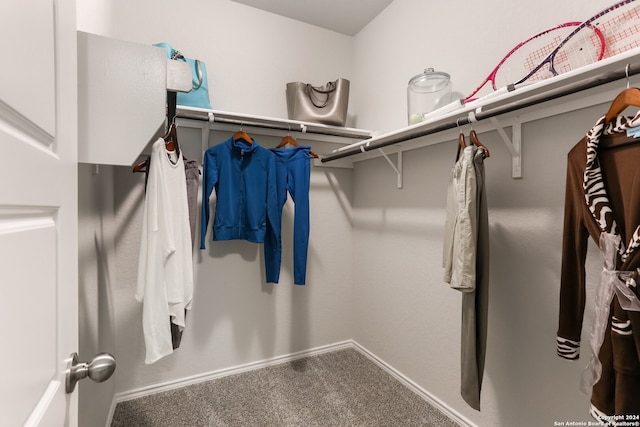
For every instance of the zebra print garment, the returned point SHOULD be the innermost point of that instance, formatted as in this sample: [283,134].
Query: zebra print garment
[622,327]
[594,191]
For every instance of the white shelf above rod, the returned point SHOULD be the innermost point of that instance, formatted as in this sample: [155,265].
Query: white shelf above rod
[217,116]
[595,75]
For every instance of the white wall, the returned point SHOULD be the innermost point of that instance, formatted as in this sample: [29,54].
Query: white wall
[406,314]
[464,38]
[398,238]
[95,16]
[250,54]
[236,317]
[375,254]
[95,283]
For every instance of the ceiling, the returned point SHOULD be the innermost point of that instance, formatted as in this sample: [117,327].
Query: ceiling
[344,16]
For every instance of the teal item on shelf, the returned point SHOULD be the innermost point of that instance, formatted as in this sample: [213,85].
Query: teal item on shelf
[199,95]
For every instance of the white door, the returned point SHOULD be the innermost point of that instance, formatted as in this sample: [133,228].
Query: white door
[38,211]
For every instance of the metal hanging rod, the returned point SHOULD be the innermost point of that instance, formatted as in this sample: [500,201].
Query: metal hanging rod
[606,71]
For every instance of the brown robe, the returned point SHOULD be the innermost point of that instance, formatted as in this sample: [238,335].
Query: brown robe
[605,199]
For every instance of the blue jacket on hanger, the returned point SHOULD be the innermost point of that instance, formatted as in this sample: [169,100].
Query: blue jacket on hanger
[244,177]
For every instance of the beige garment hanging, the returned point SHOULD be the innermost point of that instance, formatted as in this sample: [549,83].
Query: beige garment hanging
[466,263]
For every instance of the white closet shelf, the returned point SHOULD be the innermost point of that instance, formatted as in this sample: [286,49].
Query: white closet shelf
[594,84]
[217,120]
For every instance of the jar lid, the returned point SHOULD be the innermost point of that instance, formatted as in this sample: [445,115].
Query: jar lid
[430,81]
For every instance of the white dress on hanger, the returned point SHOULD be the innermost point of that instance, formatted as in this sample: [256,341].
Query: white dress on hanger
[165,271]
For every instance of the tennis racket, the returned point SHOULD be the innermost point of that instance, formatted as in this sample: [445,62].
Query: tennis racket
[622,30]
[520,60]
[617,31]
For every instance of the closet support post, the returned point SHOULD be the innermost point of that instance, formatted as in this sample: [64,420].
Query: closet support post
[513,144]
[398,168]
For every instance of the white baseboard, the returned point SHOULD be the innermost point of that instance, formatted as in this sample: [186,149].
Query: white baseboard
[112,411]
[424,394]
[184,382]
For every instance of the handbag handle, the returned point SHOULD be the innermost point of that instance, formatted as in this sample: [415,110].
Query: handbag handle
[199,72]
[177,55]
[310,89]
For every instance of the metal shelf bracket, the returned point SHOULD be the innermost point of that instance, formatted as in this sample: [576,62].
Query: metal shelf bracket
[513,144]
[397,169]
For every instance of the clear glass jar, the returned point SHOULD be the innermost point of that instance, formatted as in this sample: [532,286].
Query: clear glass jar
[426,92]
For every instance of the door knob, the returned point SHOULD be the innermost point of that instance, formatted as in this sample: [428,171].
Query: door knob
[99,369]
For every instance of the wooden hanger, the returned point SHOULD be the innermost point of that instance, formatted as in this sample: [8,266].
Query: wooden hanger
[630,97]
[170,142]
[474,138]
[242,135]
[461,145]
[461,142]
[141,167]
[291,140]
[627,98]
[171,138]
[287,140]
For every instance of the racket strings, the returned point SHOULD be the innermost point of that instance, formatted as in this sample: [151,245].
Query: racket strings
[582,49]
[539,54]
[525,59]
[570,46]
[613,31]
[621,31]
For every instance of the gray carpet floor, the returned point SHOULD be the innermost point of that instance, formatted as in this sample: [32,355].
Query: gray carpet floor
[341,388]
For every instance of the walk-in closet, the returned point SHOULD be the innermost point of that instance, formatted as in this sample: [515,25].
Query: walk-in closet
[373,330]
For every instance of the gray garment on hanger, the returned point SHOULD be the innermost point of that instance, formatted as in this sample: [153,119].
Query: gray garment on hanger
[192,173]
[466,263]
[475,304]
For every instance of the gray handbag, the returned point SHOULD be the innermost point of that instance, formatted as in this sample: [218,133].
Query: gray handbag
[319,104]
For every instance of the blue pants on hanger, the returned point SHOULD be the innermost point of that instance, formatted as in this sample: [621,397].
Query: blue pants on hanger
[293,172]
